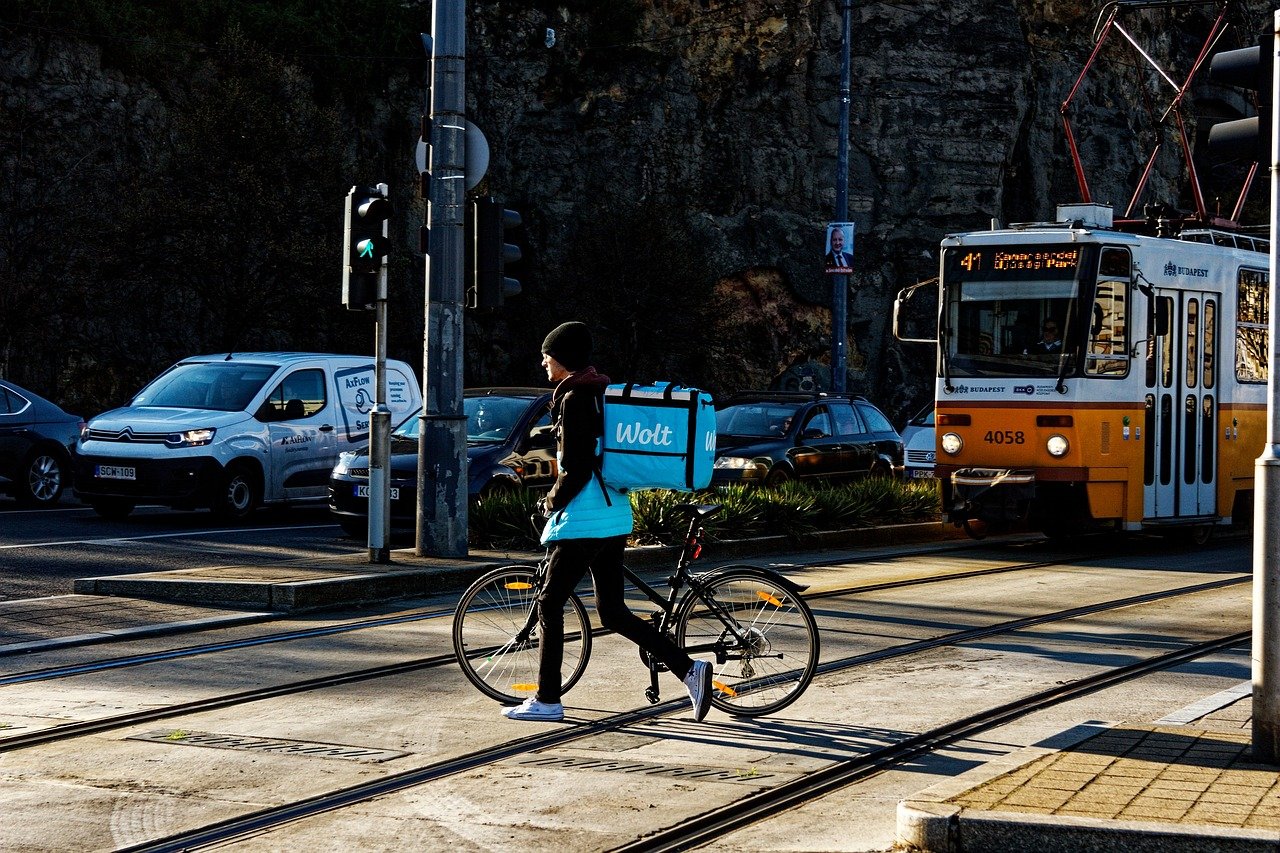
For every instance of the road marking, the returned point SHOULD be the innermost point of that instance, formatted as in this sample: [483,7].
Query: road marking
[124,540]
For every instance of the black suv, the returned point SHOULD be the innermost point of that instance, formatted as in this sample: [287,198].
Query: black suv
[766,437]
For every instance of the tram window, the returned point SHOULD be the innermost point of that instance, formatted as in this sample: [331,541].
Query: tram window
[1114,264]
[1108,353]
[1207,431]
[1252,317]
[1209,356]
[1193,360]
[1189,440]
[1165,340]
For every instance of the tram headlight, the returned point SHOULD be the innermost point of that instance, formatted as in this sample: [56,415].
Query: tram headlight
[1057,446]
[951,443]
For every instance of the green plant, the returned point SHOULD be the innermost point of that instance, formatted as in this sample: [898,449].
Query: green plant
[794,509]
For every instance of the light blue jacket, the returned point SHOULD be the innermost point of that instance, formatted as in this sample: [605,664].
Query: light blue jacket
[590,516]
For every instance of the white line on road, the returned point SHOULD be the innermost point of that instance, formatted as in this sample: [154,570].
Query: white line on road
[121,540]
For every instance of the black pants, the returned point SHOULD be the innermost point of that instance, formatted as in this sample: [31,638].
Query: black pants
[570,561]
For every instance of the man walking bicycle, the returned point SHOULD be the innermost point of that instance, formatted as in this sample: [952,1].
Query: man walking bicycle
[586,529]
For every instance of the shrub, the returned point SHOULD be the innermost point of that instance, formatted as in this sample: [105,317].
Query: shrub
[794,509]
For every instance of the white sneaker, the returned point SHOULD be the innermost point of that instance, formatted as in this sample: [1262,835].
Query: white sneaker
[698,683]
[532,709]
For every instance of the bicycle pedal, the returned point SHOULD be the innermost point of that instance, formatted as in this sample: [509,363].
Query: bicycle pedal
[651,695]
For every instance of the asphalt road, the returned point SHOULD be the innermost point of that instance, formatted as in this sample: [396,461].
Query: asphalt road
[42,552]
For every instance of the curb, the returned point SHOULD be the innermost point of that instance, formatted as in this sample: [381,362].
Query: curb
[344,582]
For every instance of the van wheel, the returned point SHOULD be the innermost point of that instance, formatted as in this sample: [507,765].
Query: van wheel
[112,509]
[240,494]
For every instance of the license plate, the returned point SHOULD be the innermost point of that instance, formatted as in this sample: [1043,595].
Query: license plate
[363,492]
[115,472]
[922,473]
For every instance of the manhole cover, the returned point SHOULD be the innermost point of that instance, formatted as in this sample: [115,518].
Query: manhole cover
[278,746]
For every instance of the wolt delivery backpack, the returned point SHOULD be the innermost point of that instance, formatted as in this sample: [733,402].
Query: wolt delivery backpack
[660,436]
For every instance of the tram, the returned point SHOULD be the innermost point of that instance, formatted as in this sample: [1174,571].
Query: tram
[1092,376]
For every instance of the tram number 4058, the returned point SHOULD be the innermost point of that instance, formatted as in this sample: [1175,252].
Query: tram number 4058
[1005,436]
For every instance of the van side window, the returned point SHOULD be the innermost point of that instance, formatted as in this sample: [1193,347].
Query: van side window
[300,395]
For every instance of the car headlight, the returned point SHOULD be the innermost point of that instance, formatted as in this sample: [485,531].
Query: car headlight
[1057,446]
[343,465]
[951,443]
[733,463]
[191,437]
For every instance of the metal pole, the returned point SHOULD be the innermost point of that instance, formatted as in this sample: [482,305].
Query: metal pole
[380,429]
[840,282]
[442,441]
[1266,512]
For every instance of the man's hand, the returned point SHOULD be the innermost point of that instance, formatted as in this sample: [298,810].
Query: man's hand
[543,509]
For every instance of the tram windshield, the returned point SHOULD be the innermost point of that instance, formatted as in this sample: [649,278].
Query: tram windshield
[1008,309]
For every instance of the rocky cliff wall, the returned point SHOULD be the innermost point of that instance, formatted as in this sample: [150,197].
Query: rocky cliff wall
[719,115]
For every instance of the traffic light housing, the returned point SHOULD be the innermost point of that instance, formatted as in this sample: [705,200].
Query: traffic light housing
[1248,68]
[489,253]
[364,246]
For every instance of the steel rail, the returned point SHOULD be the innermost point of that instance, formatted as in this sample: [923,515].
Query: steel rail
[712,825]
[732,816]
[118,721]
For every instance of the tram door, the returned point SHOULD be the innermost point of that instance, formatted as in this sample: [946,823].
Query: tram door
[1182,406]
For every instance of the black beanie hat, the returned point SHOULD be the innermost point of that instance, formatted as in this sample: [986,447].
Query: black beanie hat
[569,344]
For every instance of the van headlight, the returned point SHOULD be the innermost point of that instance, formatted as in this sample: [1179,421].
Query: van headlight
[191,437]
[951,443]
[1057,446]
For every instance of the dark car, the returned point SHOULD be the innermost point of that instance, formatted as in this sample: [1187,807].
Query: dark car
[37,440]
[770,437]
[509,446]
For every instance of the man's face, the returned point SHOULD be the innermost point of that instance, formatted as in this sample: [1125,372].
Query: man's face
[837,241]
[1050,331]
[555,370]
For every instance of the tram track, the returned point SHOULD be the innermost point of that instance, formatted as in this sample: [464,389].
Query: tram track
[767,803]
[297,635]
[268,818]
[70,731]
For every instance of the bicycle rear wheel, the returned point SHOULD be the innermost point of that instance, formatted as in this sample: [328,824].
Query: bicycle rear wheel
[495,635]
[760,637]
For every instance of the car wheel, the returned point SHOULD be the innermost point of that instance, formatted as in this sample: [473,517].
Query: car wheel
[498,489]
[777,477]
[880,470]
[112,509]
[41,483]
[356,528]
[240,494]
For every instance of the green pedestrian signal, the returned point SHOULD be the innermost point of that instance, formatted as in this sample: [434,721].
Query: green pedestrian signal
[364,245]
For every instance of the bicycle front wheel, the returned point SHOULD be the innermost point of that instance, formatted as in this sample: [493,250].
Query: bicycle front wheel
[760,638]
[495,635]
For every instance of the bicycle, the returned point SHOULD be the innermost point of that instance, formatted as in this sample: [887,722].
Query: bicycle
[750,622]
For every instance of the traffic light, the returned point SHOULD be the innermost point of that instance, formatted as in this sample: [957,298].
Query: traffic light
[1248,68]
[365,245]
[490,253]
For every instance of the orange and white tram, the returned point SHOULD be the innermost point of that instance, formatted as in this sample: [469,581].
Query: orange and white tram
[1149,411]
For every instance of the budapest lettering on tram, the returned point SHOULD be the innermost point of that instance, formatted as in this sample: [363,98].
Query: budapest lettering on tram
[1092,377]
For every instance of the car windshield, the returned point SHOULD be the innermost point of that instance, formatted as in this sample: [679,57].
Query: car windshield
[924,417]
[492,419]
[225,386]
[756,420]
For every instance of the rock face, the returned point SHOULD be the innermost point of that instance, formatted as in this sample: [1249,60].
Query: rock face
[723,115]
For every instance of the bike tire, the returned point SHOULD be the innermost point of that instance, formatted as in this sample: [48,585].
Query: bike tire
[490,616]
[781,654]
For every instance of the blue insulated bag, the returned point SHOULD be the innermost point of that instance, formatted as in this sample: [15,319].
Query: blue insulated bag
[660,436]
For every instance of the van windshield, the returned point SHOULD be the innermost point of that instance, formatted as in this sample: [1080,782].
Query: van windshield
[226,386]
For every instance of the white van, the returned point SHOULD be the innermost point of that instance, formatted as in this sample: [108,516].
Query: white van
[234,431]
